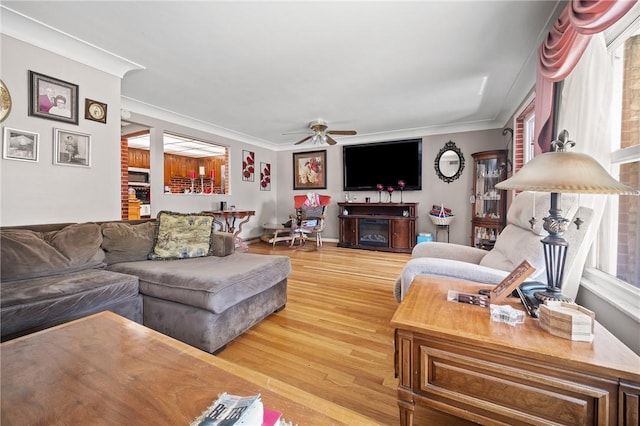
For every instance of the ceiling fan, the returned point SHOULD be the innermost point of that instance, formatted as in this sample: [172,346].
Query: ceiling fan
[320,134]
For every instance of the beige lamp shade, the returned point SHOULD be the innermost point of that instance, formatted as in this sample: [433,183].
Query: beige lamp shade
[560,172]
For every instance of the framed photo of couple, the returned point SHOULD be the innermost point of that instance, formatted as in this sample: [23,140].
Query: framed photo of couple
[52,98]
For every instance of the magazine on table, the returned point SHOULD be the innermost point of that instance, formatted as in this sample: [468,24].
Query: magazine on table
[233,410]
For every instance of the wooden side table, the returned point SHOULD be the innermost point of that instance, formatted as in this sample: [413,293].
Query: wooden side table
[450,356]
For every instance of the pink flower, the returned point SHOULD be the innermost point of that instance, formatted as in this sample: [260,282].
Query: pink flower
[390,189]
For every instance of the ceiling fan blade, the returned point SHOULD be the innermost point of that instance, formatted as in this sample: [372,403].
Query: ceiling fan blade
[301,132]
[330,140]
[303,140]
[342,132]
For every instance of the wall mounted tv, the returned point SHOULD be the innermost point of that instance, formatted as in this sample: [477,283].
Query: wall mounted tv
[366,165]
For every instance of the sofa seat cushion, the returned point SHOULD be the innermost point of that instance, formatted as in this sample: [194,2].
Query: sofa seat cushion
[211,283]
[29,303]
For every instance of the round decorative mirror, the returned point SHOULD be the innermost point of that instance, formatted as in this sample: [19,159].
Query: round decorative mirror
[449,162]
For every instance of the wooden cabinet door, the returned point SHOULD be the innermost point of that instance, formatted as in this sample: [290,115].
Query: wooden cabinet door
[167,169]
[400,233]
[140,158]
[145,159]
[179,166]
[348,234]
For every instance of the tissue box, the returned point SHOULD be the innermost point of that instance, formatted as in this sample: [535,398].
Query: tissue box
[567,320]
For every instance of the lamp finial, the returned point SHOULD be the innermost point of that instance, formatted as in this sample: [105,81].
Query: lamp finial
[562,144]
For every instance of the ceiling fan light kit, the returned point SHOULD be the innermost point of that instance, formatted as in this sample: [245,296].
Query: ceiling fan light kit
[321,134]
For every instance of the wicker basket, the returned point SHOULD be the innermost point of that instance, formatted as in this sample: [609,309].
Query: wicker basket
[438,220]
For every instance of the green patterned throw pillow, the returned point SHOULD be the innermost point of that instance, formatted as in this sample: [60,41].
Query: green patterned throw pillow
[181,236]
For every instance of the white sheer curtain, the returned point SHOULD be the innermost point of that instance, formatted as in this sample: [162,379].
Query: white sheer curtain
[585,112]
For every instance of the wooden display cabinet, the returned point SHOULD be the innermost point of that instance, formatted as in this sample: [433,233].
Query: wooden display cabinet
[489,203]
[378,226]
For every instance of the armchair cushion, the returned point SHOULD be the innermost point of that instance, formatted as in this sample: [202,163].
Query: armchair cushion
[512,247]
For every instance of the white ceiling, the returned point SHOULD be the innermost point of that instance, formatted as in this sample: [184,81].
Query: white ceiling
[260,69]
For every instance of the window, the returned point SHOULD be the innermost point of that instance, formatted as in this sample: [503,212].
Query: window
[619,239]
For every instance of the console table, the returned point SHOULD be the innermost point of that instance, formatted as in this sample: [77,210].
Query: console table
[451,357]
[229,224]
[378,226]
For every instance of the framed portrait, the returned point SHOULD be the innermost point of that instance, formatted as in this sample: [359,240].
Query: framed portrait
[248,165]
[52,99]
[20,145]
[71,148]
[310,170]
[265,176]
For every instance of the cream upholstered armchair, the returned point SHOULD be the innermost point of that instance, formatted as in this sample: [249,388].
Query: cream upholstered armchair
[517,242]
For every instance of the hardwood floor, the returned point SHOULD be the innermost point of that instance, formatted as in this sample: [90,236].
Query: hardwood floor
[334,339]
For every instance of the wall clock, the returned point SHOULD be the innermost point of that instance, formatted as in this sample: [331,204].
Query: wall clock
[95,111]
[5,102]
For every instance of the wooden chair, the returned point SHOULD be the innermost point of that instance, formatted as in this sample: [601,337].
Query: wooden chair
[309,218]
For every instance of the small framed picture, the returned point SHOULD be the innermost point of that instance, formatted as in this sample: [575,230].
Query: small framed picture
[52,99]
[95,111]
[265,176]
[309,170]
[71,148]
[20,145]
[511,281]
[248,165]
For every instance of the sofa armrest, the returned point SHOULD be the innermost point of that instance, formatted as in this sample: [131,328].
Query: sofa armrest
[449,251]
[223,243]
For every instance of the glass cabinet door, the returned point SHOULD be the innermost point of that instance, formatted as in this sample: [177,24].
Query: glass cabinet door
[487,198]
[489,203]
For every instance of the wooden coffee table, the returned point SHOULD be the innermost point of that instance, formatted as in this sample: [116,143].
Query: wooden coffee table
[105,369]
[450,356]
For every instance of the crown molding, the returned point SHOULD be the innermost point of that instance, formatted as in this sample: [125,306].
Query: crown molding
[133,105]
[28,30]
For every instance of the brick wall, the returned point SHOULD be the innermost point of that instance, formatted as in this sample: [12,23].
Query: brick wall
[628,237]
[124,179]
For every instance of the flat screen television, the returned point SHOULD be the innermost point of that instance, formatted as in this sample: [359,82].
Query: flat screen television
[367,165]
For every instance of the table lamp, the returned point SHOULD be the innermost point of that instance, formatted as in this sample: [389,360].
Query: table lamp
[557,172]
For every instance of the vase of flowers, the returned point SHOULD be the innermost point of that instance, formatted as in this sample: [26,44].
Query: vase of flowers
[401,185]
[379,187]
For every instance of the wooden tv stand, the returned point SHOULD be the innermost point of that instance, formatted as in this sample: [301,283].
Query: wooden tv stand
[378,226]
[450,356]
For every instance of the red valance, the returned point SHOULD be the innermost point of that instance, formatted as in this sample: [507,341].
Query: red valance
[563,48]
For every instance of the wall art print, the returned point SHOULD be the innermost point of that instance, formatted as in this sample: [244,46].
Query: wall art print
[52,99]
[309,170]
[265,176]
[20,145]
[248,165]
[71,148]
